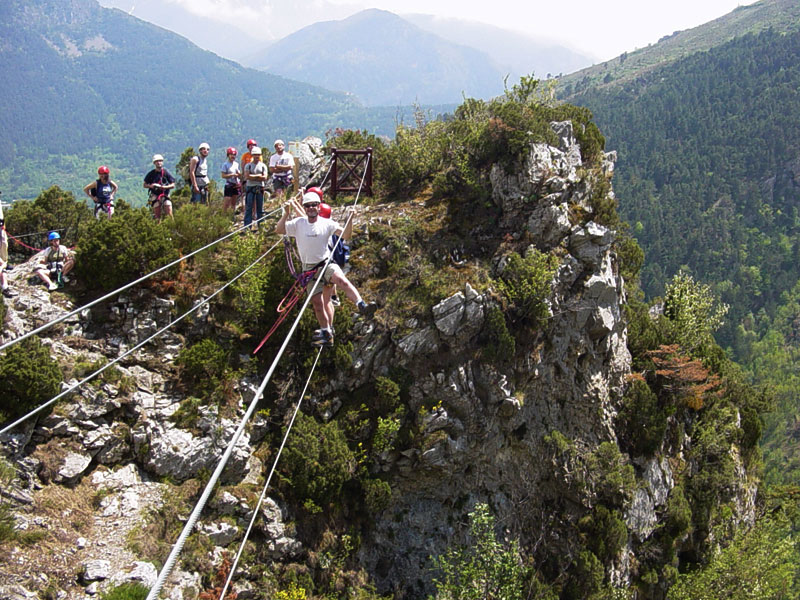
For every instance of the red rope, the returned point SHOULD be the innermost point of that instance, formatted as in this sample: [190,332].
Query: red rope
[24,245]
[289,300]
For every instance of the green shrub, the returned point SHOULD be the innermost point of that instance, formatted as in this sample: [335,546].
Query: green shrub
[610,475]
[317,461]
[115,251]
[29,377]
[484,569]
[694,312]
[377,494]
[196,225]
[644,418]
[203,364]
[388,394]
[525,284]
[53,209]
[7,475]
[604,532]
[127,591]
[500,345]
[760,563]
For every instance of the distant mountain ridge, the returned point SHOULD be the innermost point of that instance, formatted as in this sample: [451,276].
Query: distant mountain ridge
[384,60]
[515,53]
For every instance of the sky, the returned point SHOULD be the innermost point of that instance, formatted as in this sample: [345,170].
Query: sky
[602,30]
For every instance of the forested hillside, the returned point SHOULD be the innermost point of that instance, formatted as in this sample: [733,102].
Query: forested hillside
[781,15]
[85,85]
[709,179]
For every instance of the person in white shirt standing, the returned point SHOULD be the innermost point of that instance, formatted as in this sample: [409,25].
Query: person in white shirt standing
[281,165]
[198,174]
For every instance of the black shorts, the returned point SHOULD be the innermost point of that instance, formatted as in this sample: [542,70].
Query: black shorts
[281,184]
[232,190]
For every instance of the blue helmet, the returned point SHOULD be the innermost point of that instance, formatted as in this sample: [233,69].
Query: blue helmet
[53,236]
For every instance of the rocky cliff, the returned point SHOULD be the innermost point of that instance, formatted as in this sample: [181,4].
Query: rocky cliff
[532,428]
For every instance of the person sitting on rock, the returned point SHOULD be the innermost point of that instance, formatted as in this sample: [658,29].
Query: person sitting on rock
[56,262]
[312,235]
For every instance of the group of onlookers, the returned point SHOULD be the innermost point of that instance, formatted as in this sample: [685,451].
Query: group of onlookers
[244,182]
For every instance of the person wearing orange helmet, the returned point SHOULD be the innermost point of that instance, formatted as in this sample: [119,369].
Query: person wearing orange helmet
[232,175]
[102,191]
[246,159]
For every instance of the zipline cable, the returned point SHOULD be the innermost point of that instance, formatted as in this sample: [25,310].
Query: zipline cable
[136,347]
[269,478]
[176,549]
[126,286]
[200,505]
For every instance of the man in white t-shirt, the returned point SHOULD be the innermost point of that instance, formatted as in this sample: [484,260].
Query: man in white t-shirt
[312,234]
[281,167]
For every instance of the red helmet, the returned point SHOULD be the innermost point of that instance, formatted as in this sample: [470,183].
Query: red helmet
[103,170]
[315,190]
[324,210]
[251,142]
[231,150]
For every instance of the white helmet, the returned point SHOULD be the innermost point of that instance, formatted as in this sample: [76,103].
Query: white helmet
[279,142]
[255,150]
[204,145]
[157,157]
[310,198]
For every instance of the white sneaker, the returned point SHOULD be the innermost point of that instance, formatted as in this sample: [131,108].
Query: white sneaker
[52,287]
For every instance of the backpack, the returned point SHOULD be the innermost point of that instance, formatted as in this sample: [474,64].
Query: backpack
[341,251]
[185,173]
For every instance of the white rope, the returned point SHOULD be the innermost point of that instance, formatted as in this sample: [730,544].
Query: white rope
[136,347]
[269,478]
[124,287]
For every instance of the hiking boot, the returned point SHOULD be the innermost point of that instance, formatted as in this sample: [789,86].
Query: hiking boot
[52,287]
[322,337]
[367,310]
[335,300]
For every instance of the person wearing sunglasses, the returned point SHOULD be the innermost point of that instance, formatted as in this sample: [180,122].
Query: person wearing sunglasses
[311,234]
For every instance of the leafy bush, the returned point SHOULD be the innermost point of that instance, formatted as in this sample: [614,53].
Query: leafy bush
[318,461]
[484,569]
[203,364]
[525,284]
[644,417]
[604,532]
[196,225]
[127,591]
[29,377]
[610,475]
[500,346]
[7,475]
[115,251]
[377,494]
[693,310]
[388,394]
[53,209]
[760,563]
